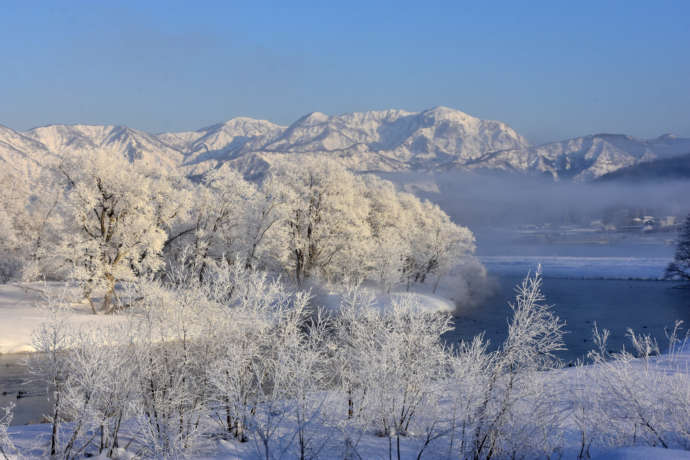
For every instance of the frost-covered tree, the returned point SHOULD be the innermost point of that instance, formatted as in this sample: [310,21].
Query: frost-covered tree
[680,267]
[117,222]
[228,218]
[7,448]
[339,225]
[30,224]
[221,216]
[436,243]
[390,246]
[326,218]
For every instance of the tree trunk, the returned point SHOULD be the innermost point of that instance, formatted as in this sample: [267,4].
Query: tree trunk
[108,298]
[56,415]
[438,280]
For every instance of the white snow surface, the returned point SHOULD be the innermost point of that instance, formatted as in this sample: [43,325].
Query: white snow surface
[643,453]
[21,312]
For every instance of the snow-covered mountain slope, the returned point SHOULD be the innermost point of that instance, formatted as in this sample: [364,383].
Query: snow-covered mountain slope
[585,158]
[665,169]
[225,142]
[385,140]
[21,155]
[117,140]
[397,138]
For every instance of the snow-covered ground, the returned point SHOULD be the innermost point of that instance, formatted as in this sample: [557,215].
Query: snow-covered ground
[370,445]
[23,309]
[643,453]
[374,448]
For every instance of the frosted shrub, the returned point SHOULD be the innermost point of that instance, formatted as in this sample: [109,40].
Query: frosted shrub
[269,365]
[49,365]
[234,378]
[392,361]
[170,366]
[6,446]
[98,388]
[518,412]
[641,395]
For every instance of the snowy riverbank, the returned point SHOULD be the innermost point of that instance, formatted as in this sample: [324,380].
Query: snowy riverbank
[23,307]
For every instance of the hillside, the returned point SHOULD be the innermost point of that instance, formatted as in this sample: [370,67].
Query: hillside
[586,158]
[676,168]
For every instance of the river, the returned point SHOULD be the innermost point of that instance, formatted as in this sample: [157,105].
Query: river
[645,306]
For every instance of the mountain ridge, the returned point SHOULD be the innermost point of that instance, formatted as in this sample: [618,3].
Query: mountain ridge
[388,140]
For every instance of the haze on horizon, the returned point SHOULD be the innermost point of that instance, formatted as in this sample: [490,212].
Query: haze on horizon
[550,70]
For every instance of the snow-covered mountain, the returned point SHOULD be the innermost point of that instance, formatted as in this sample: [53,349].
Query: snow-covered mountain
[21,154]
[666,169]
[116,140]
[585,158]
[396,137]
[386,140]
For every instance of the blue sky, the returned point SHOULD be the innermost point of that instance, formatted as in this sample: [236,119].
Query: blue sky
[551,69]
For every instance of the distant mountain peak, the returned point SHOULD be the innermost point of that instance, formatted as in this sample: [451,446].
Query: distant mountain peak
[446,112]
[313,118]
[238,121]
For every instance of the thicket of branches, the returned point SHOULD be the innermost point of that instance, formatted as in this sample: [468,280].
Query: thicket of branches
[240,357]
[104,221]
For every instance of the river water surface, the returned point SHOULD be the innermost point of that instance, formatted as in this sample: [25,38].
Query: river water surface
[646,306]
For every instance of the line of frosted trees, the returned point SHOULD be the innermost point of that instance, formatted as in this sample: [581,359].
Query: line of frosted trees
[240,358]
[101,220]
[210,345]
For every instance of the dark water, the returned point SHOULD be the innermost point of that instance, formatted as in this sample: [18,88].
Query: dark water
[30,398]
[645,306]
